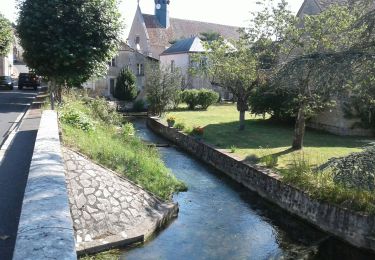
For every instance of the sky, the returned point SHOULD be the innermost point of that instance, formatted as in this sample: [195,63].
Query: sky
[229,12]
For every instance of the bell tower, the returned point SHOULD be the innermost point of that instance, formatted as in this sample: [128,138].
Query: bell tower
[162,12]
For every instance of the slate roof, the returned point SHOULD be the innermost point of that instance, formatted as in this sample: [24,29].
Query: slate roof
[180,28]
[190,45]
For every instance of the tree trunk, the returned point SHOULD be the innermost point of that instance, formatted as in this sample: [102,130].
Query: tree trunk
[242,107]
[242,120]
[299,129]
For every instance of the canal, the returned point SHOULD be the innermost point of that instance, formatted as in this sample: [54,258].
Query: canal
[220,219]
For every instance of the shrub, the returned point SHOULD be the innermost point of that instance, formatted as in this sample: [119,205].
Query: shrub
[207,97]
[190,97]
[103,111]
[139,106]
[270,161]
[126,88]
[233,149]
[355,171]
[128,129]
[77,119]
[179,126]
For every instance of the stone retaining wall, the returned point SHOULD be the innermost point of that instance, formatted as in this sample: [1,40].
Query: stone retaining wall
[354,228]
[45,229]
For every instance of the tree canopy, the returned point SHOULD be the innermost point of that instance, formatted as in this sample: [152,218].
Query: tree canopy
[69,40]
[6,36]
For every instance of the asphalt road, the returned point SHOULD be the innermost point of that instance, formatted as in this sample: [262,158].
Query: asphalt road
[14,167]
[12,104]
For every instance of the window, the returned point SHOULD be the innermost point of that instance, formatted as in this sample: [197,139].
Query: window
[140,70]
[112,63]
[173,66]
[137,39]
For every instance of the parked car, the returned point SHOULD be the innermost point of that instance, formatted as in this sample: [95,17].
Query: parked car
[28,80]
[6,82]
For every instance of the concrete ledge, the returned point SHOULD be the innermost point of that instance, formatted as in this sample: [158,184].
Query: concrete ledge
[353,227]
[46,230]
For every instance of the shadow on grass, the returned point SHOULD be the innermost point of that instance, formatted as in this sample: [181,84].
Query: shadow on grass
[268,134]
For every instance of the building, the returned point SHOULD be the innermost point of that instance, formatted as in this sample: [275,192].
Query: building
[153,34]
[126,58]
[6,64]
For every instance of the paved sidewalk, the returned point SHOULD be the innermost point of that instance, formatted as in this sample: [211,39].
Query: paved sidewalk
[14,170]
[108,210]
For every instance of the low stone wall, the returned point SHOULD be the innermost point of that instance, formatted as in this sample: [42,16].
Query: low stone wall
[354,228]
[45,230]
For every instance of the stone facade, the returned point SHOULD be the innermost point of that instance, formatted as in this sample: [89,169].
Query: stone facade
[126,57]
[354,228]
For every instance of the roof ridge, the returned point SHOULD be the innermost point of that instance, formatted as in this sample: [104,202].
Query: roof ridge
[189,20]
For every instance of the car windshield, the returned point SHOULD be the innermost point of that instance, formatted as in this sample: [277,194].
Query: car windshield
[4,78]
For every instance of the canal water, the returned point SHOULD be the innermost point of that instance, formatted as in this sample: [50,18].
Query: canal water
[220,219]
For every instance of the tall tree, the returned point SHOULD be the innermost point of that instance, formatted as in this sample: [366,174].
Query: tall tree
[310,68]
[247,63]
[68,40]
[162,87]
[6,36]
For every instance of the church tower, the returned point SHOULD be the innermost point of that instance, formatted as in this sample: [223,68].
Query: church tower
[162,12]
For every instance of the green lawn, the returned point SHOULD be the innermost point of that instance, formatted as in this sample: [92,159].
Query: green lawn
[263,137]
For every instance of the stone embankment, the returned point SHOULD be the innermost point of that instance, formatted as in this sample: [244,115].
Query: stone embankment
[355,228]
[108,210]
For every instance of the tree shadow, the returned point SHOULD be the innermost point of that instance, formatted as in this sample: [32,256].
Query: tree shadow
[260,133]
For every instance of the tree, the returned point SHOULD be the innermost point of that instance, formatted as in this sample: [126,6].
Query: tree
[6,36]
[209,36]
[162,87]
[126,88]
[312,76]
[68,41]
[243,65]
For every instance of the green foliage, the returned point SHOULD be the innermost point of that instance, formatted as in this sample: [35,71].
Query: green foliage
[139,105]
[267,99]
[126,88]
[6,36]
[69,42]
[118,150]
[109,255]
[356,171]
[180,126]
[77,119]
[190,97]
[128,129]
[162,87]
[322,185]
[270,161]
[233,149]
[101,110]
[207,97]
[209,36]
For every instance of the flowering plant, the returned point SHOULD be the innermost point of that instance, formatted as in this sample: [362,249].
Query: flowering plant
[197,130]
[171,119]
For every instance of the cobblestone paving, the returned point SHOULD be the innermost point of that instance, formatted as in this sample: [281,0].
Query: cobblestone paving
[103,204]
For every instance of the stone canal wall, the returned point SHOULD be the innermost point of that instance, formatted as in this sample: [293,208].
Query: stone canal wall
[354,228]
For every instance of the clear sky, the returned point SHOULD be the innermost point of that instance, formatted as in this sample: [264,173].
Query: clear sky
[230,12]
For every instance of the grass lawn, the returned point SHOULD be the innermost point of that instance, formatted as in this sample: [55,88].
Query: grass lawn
[263,137]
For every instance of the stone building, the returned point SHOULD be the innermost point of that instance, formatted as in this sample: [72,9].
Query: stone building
[153,34]
[332,120]
[126,57]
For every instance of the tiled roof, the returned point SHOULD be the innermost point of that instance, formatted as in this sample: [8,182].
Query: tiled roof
[180,28]
[193,44]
